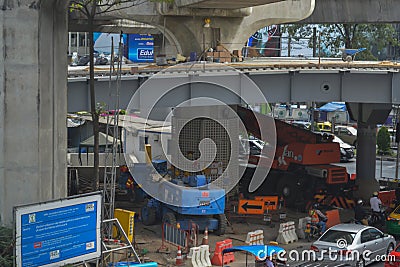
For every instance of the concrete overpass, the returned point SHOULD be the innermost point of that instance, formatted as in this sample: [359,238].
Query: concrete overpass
[232,22]
[33,84]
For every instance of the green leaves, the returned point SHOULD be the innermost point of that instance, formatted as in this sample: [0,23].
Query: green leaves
[375,37]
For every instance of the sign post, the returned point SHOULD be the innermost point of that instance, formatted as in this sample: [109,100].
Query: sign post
[58,232]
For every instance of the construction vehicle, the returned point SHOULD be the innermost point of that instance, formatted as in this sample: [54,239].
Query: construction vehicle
[301,167]
[197,202]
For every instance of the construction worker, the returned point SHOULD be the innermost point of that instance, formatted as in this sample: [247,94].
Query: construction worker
[318,218]
[359,213]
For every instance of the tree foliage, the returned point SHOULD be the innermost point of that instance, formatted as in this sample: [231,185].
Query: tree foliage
[6,247]
[383,140]
[374,37]
[89,10]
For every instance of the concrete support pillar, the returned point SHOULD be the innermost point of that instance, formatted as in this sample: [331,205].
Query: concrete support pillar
[366,160]
[367,117]
[33,93]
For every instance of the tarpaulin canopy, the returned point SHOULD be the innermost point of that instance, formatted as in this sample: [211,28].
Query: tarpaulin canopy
[333,106]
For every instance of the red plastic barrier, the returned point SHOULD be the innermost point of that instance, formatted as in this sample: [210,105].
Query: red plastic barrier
[387,197]
[217,257]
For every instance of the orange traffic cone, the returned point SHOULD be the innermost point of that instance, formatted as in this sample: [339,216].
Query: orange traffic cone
[205,237]
[179,259]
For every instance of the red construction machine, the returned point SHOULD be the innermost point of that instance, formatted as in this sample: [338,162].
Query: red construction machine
[301,170]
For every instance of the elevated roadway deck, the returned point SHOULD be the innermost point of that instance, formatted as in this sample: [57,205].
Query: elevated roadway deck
[281,80]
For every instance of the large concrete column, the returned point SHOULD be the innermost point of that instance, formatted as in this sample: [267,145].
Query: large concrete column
[367,116]
[366,160]
[33,93]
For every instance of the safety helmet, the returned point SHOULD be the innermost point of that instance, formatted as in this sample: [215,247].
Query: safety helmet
[375,194]
[359,202]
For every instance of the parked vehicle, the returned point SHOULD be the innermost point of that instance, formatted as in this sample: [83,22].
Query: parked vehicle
[352,240]
[347,134]
[393,222]
[346,150]
[302,124]
[393,259]
[325,126]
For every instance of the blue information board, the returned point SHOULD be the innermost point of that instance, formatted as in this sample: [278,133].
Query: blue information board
[59,232]
[140,47]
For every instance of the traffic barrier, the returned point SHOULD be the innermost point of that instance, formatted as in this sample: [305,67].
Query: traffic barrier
[194,256]
[171,234]
[302,226]
[292,231]
[333,218]
[387,197]
[286,233]
[217,257]
[255,238]
[205,255]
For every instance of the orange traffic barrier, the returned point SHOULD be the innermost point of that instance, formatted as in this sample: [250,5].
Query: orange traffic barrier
[387,197]
[228,257]
[333,218]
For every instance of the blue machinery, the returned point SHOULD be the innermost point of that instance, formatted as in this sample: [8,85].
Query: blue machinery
[195,201]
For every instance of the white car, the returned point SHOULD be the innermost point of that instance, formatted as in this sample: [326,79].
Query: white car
[346,150]
[354,243]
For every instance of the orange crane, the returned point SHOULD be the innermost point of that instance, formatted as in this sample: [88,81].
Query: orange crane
[301,170]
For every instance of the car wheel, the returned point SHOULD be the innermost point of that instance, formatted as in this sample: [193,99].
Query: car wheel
[389,249]
[360,263]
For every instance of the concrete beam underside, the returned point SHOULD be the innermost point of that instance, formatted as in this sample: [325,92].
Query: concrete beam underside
[355,11]
[185,26]
[32,104]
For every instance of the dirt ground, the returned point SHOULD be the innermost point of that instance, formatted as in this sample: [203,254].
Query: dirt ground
[148,238]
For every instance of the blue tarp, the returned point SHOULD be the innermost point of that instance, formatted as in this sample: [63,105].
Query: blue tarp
[333,106]
[256,250]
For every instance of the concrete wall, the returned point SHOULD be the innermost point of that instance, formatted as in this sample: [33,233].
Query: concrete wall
[33,90]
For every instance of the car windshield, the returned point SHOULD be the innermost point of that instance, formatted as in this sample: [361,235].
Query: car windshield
[337,140]
[333,236]
[352,130]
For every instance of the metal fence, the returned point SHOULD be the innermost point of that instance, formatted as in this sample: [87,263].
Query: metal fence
[173,235]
